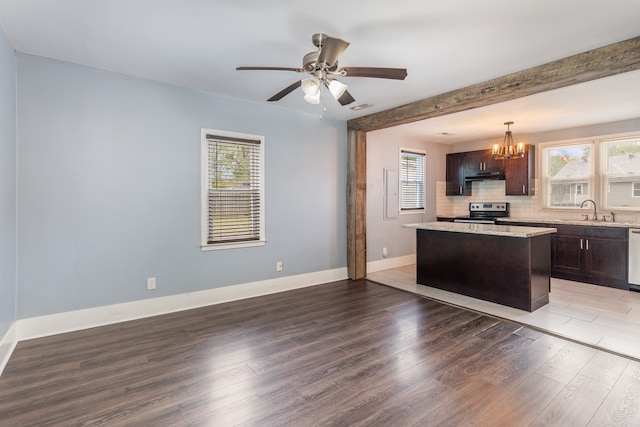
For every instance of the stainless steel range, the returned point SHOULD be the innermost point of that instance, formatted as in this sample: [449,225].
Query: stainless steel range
[484,212]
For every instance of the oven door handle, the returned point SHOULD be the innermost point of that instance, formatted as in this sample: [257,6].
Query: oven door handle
[475,221]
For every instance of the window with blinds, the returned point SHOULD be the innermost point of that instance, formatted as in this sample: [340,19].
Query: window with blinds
[233,205]
[412,176]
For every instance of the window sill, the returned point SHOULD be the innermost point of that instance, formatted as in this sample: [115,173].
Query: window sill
[234,245]
[413,212]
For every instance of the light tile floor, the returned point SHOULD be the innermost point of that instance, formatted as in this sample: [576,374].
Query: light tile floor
[598,316]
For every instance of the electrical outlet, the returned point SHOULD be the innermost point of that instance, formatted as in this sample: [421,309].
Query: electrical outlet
[384,252]
[279,266]
[151,283]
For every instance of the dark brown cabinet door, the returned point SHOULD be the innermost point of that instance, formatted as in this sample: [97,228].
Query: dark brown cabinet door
[567,255]
[606,261]
[473,162]
[455,175]
[492,165]
[519,174]
[481,161]
[590,254]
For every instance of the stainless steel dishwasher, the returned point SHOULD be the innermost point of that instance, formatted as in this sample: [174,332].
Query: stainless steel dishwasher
[634,259]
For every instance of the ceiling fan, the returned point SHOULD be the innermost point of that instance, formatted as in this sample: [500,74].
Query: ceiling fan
[322,64]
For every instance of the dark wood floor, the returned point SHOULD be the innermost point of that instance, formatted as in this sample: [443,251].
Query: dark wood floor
[344,353]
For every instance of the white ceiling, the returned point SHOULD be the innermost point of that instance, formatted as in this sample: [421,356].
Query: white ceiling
[444,45]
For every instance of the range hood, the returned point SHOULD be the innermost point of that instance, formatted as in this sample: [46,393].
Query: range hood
[482,176]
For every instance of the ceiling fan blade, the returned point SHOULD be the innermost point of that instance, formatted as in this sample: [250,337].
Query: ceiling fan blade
[377,72]
[286,91]
[331,51]
[299,70]
[346,98]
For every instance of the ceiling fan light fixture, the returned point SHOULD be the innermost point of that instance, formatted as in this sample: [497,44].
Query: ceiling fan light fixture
[324,62]
[313,99]
[311,86]
[337,88]
[508,150]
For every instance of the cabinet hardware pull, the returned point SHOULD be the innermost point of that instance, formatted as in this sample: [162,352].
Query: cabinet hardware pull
[581,247]
[461,189]
[587,244]
[523,189]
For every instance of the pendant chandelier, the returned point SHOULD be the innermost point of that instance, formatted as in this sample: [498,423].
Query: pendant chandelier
[508,149]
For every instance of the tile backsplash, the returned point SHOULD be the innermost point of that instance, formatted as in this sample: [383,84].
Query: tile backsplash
[520,206]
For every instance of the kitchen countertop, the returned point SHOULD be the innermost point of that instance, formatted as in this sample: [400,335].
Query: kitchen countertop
[489,229]
[583,222]
[533,220]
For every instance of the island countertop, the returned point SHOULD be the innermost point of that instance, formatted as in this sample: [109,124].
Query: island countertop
[489,229]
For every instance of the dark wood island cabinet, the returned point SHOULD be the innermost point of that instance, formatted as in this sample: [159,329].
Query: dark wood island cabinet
[508,265]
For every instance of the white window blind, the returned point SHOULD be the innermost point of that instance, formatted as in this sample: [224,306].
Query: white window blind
[412,168]
[234,193]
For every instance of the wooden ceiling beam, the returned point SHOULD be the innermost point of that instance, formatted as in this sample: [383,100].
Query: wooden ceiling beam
[606,61]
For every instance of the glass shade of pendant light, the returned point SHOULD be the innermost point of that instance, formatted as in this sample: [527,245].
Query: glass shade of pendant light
[336,88]
[508,149]
[311,89]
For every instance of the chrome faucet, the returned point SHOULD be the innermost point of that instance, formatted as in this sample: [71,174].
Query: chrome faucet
[595,215]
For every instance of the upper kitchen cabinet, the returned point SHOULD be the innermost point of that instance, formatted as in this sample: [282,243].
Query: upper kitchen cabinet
[464,167]
[481,163]
[520,173]
[455,176]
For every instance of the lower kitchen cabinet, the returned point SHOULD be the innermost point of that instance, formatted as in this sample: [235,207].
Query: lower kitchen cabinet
[567,251]
[595,255]
[608,256]
[590,254]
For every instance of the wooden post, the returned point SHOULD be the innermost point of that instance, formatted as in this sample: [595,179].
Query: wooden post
[357,205]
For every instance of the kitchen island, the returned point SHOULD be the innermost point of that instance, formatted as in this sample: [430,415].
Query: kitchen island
[505,264]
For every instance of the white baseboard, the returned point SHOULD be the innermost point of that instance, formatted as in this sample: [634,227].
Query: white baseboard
[36,327]
[387,263]
[7,345]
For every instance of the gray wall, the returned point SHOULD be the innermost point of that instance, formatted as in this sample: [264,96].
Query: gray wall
[109,189]
[383,152]
[7,185]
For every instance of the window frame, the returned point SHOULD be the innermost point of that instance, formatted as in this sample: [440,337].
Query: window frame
[546,181]
[599,171]
[204,190]
[423,153]
[608,175]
